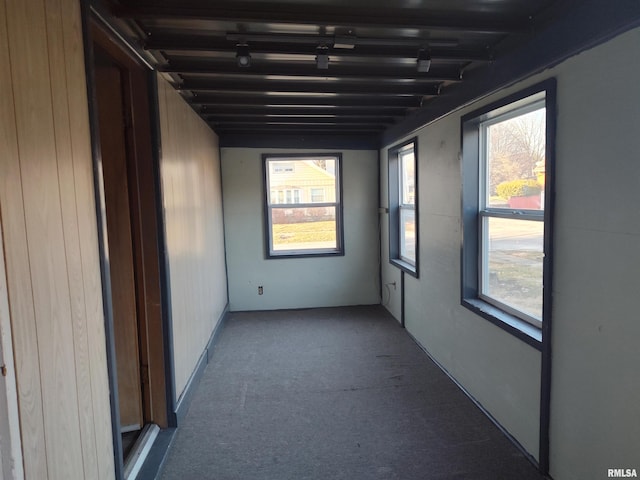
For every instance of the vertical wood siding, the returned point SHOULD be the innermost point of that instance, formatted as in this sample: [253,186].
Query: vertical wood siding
[192,199]
[51,244]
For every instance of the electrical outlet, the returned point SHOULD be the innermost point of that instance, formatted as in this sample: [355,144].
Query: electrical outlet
[260,290]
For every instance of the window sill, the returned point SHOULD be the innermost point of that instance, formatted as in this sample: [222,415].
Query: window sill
[405,266]
[305,254]
[509,323]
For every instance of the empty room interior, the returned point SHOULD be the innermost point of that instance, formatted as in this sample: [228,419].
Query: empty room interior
[313,239]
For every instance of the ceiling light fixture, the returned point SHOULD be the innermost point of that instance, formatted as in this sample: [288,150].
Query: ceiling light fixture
[423,61]
[243,57]
[347,41]
[322,57]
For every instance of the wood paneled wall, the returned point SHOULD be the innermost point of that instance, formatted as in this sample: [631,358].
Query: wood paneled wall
[51,245]
[192,198]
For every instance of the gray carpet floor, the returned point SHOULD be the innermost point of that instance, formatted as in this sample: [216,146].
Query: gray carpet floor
[333,393]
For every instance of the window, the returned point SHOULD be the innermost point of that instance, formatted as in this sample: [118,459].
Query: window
[317,195]
[287,195]
[303,209]
[403,215]
[507,175]
[284,167]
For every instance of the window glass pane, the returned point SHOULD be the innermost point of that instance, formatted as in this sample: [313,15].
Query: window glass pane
[298,228]
[515,170]
[407,180]
[408,235]
[512,259]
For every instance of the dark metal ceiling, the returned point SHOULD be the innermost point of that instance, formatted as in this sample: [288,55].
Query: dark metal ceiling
[372,80]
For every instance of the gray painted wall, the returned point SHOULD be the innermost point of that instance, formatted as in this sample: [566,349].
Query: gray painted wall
[595,417]
[501,372]
[595,409]
[351,279]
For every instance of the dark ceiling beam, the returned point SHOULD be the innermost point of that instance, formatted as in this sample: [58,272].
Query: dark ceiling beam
[379,74]
[313,132]
[301,139]
[308,127]
[328,40]
[180,44]
[295,129]
[234,110]
[305,14]
[220,86]
[256,118]
[364,121]
[258,99]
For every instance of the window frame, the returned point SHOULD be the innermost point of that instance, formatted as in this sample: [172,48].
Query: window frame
[396,205]
[270,253]
[474,210]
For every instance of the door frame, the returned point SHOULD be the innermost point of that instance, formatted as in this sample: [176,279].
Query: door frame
[152,276]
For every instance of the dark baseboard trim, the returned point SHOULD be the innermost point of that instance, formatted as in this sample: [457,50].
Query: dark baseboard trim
[294,309]
[511,438]
[182,405]
[216,334]
[154,464]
